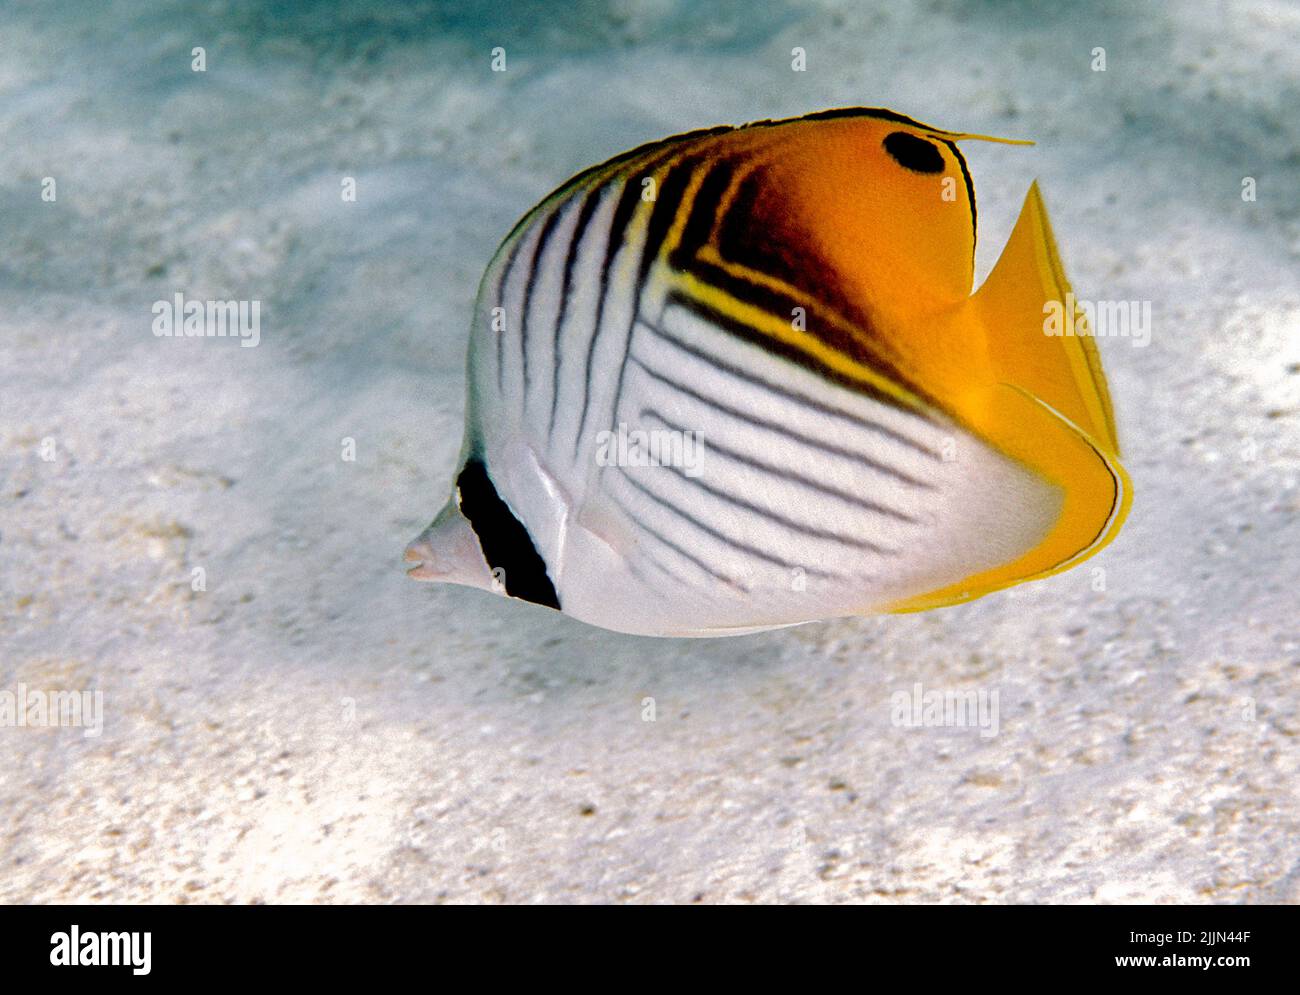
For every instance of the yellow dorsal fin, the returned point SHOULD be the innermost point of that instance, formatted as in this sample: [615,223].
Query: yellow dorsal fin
[1024,298]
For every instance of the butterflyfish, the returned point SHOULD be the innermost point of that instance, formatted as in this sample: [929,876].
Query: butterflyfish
[736,379]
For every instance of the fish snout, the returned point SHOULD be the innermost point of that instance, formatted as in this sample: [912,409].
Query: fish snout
[448,551]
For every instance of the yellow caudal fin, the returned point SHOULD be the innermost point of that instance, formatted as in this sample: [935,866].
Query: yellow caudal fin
[1037,337]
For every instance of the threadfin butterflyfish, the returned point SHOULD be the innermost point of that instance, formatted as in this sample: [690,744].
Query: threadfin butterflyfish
[736,379]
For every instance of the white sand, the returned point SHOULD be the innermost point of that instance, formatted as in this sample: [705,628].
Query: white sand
[316,727]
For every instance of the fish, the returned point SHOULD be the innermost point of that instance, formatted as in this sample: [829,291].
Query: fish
[736,379]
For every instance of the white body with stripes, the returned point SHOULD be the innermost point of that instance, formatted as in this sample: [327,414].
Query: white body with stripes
[737,379]
[805,500]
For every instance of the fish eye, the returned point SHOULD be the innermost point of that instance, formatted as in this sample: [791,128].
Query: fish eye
[913,153]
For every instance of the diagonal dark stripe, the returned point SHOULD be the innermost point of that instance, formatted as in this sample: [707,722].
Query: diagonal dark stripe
[589,204]
[784,474]
[722,537]
[801,399]
[539,249]
[772,426]
[506,269]
[668,202]
[781,306]
[676,548]
[789,523]
[629,198]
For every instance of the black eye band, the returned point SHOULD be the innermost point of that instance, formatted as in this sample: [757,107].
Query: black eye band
[505,542]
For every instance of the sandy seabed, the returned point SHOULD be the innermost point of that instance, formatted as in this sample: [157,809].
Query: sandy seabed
[313,726]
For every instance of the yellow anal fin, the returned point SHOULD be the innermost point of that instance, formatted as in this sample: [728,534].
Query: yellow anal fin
[1096,492]
[1033,342]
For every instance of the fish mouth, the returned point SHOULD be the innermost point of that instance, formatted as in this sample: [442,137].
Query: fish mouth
[420,552]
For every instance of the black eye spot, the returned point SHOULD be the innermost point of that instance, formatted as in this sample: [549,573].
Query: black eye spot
[914,153]
[503,538]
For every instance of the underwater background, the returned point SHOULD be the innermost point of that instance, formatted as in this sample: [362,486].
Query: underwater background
[288,718]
